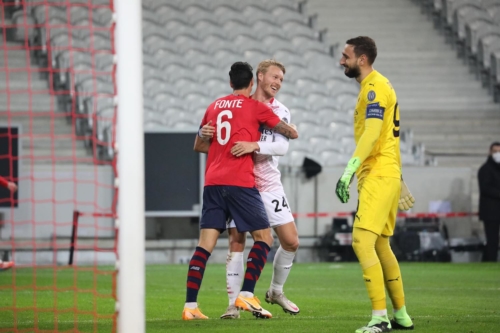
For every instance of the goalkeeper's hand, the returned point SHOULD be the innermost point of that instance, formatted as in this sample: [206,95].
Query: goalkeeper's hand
[406,200]
[344,182]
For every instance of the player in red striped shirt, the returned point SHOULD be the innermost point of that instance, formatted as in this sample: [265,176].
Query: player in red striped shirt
[230,188]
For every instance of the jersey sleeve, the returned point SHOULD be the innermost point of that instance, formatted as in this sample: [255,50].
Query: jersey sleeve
[280,143]
[3,182]
[266,116]
[376,99]
[204,120]
[278,147]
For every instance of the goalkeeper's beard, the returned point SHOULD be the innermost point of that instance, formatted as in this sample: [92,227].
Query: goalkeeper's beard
[352,72]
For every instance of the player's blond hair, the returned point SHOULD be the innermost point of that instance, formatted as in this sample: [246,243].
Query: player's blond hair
[265,64]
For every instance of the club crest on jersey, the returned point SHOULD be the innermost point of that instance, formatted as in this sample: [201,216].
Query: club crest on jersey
[371,95]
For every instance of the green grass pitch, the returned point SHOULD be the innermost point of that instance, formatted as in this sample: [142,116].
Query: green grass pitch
[440,297]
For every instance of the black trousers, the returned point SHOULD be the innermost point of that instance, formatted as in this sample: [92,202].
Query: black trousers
[491,229]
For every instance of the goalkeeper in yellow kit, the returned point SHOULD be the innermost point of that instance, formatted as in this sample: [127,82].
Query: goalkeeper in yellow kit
[377,164]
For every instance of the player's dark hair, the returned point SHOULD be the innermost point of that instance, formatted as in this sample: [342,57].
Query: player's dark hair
[494,144]
[364,45]
[240,75]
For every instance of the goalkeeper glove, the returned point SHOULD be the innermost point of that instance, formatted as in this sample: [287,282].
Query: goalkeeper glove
[406,200]
[344,182]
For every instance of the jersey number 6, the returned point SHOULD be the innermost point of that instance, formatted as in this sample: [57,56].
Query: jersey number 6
[224,124]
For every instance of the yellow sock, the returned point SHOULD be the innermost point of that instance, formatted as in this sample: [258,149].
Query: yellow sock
[392,273]
[364,247]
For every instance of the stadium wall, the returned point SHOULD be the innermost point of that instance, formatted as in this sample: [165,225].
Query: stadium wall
[55,189]
[426,183]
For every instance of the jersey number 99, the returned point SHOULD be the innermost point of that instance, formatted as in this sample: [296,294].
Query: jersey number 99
[395,130]
[224,124]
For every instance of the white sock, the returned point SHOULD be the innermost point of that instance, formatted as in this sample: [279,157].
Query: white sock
[283,261]
[246,294]
[191,305]
[379,313]
[235,272]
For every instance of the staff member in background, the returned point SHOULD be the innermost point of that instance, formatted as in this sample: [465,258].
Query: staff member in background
[489,201]
[13,188]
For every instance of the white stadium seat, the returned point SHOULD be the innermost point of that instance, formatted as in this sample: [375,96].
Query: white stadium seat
[274,43]
[166,13]
[185,4]
[262,29]
[293,29]
[286,14]
[209,29]
[331,158]
[303,44]
[289,58]
[196,13]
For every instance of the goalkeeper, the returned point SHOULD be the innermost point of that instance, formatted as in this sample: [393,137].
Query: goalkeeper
[377,164]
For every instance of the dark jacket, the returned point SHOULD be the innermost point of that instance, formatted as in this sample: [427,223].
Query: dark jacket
[489,190]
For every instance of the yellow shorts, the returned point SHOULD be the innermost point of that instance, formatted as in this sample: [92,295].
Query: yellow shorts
[378,204]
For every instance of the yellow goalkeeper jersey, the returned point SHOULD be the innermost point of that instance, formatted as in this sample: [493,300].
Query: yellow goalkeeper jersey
[377,99]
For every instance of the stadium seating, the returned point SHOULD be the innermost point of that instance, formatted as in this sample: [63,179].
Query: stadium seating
[74,43]
[188,47]
[473,27]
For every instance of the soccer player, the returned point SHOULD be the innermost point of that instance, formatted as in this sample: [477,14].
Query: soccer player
[11,186]
[230,188]
[269,74]
[377,164]
[4,265]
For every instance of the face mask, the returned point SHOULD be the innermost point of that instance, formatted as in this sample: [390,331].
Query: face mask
[496,157]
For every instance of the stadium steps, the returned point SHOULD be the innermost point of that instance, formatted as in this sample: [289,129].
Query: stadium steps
[460,138]
[430,81]
[26,94]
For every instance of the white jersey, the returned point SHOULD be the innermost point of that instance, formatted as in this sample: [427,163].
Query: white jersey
[267,175]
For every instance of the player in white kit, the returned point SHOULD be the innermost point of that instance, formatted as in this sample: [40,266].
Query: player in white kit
[269,75]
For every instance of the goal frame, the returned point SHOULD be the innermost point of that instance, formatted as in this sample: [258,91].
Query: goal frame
[130,179]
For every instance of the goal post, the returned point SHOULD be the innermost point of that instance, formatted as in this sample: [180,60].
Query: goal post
[130,134]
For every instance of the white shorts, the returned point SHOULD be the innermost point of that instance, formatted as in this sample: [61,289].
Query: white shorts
[277,209]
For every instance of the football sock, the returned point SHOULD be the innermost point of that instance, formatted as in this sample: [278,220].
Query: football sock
[195,273]
[191,305]
[283,261]
[255,263]
[234,275]
[364,247]
[378,319]
[246,294]
[392,273]
[379,313]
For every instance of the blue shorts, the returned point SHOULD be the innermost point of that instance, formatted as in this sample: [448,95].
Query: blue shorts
[243,204]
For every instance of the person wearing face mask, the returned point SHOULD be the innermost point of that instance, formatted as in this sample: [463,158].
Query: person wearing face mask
[489,201]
